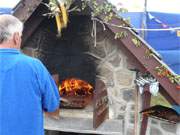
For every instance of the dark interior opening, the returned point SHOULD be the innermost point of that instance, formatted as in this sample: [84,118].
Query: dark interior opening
[66,55]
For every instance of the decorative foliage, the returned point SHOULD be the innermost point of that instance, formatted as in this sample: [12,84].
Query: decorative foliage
[105,8]
[122,34]
[127,20]
[162,71]
[59,11]
[122,10]
[148,53]
[57,8]
[136,42]
[84,4]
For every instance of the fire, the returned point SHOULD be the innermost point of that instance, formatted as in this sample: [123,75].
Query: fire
[75,87]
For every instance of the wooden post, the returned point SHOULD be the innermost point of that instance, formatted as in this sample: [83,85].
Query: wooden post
[136,111]
[146,101]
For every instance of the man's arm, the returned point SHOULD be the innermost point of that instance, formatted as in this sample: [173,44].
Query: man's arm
[54,114]
[49,92]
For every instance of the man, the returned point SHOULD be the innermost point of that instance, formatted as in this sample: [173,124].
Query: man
[26,88]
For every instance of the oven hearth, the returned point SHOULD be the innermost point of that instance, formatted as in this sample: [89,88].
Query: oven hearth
[75,93]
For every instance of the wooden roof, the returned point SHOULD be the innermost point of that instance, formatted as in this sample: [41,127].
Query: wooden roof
[30,12]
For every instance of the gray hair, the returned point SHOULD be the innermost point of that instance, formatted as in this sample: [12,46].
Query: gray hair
[8,26]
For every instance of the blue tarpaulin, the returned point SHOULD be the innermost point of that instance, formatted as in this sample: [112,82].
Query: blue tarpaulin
[167,43]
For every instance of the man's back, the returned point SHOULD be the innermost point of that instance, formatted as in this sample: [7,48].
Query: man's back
[26,89]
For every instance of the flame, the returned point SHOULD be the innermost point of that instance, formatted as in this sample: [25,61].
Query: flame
[75,87]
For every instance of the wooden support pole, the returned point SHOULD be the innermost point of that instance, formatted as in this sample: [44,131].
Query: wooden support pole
[136,112]
[146,101]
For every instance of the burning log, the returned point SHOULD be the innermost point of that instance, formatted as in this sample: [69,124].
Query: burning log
[75,92]
[75,87]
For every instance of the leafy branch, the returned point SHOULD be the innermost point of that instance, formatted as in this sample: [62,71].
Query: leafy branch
[162,71]
[136,42]
[120,35]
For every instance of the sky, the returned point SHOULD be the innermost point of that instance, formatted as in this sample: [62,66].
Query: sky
[8,3]
[170,6]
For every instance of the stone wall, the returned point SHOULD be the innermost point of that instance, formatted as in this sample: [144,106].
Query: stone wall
[112,67]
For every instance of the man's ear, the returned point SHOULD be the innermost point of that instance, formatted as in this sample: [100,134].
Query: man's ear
[17,39]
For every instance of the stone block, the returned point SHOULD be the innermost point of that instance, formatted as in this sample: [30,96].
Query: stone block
[98,50]
[130,131]
[168,127]
[125,77]
[128,95]
[153,121]
[110,46]
[115,60]
[155,131]
[106,73]
[122,108]
[120,116]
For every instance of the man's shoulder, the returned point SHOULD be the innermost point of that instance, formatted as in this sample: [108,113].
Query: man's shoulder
[30,61]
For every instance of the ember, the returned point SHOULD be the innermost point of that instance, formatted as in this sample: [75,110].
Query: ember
[75,87]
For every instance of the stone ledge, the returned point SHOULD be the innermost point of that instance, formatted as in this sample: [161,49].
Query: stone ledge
[84,125]
[87,112]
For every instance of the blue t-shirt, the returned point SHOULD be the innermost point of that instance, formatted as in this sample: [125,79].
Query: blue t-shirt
[26,90]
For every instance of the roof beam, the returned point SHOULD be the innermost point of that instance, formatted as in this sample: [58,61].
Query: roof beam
[24,9]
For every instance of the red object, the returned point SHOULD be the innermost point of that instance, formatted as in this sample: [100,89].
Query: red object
[178,87]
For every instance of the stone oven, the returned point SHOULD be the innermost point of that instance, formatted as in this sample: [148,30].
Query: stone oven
[69,56]
[74,55]
[109,65]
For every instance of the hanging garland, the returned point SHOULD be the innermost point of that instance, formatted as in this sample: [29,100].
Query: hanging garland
[162,71]
[136,42]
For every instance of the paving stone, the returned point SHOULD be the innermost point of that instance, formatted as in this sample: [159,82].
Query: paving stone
[169,127]
[155,131]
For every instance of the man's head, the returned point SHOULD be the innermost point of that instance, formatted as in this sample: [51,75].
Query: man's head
[10,31]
